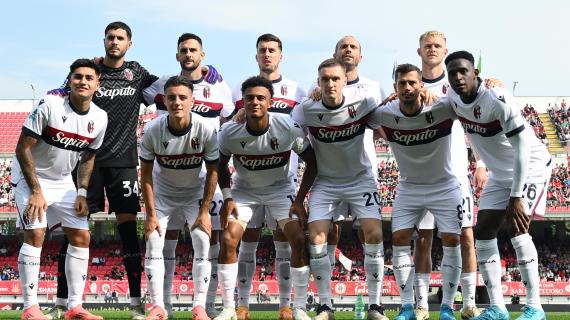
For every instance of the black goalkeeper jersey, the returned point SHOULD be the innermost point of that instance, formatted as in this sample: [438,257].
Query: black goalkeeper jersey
[120,94]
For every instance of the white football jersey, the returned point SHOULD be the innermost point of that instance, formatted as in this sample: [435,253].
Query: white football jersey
[210,100]
[459,155]
[63,133]
[421,143]
[262,160]
[178,156]
[489,120]
[363,87]
[286,95]
[337,137]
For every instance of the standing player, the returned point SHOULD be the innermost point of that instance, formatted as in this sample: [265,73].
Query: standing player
[261,150]
[432,50]
[287,95]
[420,138]
[214,103]
[336,126]
[519,166]
[175,192]
[59,133]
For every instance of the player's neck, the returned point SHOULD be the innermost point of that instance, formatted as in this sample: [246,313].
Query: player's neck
[432,72]
[193,75]
[351,74]
[411,109]
[271,76]
[113,63]
[80,104]
[471,96]
[333,102]
[257,125]
[179,124]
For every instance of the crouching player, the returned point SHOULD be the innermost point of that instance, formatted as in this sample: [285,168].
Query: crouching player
[58,133]
[173,148]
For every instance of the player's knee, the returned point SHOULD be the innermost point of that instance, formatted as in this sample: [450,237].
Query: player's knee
[297,241]
[317,238]
[373,237]
[34,237]
[229,241]
[401,238]
[450,239]
[467,241]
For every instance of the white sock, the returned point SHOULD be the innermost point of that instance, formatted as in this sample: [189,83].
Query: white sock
[300,277]
[468,287]
[213,286]
[62,302]
[135,302]
[29,268]
[246,269]
[404,271]
[489,261]
[169,256]
[76,264]
[527,259]
[331,251]
[374,267]
[154,268]
[321,268]
[201,267]
[227,274]
[421,286]
[451,270]
[283,272]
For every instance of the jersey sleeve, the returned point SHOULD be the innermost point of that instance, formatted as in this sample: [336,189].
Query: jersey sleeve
[147,149]
[211,153]
[222,140]
[298,115]
[37,120]
[237,98]
[147,78]
[508,113]
[375,118]
[96,144]
[228,104]
[300,141]
[300,95]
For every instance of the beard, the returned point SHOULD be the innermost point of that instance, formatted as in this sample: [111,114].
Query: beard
[114,56]
[189,69]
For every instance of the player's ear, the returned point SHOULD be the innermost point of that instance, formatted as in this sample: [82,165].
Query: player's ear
[203,54]
[419,54]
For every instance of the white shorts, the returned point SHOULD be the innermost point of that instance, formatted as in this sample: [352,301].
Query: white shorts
[276,203]
[340,213]
[496,197]
[60,196]
[360,197]
[412,201]
[257,219]
[428,221]
[174,211]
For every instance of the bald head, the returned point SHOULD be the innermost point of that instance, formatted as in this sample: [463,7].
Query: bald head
[348,52]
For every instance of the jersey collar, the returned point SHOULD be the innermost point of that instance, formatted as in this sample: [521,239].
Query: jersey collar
[277,80]
[434,80]
[257,133]
[348,83]
[74,108]
[180,133]
[334,107]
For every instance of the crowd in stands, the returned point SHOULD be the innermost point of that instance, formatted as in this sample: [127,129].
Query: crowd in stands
[560,117]
[6,196]
[531,116]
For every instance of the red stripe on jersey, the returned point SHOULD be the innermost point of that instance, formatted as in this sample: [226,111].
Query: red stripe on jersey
[339,133]
[418,136]
[66,140]
[488,129]
[278,103]
[263,161]
[207,109]
[180,161]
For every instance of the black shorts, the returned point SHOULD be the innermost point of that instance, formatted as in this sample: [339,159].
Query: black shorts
[120,185]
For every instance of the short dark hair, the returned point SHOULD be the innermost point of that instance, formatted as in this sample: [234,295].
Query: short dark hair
[269,37]
[257,81]
[460,55]
[405,68]
[179,81]
[331,63]
[189,36]
[84,63]
[119,25]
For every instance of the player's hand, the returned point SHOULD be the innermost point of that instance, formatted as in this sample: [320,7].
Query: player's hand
[479,179]
[204,223]
[428,97]
[36,208]
[493,83]
[517,216]
[316,94]
[81,206]
[211,75]
[228,209]
[151,223]
[390,98]
[239,117]
[298,209]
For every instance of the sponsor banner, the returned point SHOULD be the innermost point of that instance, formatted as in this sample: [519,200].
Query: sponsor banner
[350,288]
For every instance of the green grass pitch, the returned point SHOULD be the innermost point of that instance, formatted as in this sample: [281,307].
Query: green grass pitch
[267,315]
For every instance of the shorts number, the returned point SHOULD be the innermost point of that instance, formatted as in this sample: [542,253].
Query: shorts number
[369,196]
[213,206]
[130,190]
[467,200]
[460,211]
[530,191]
